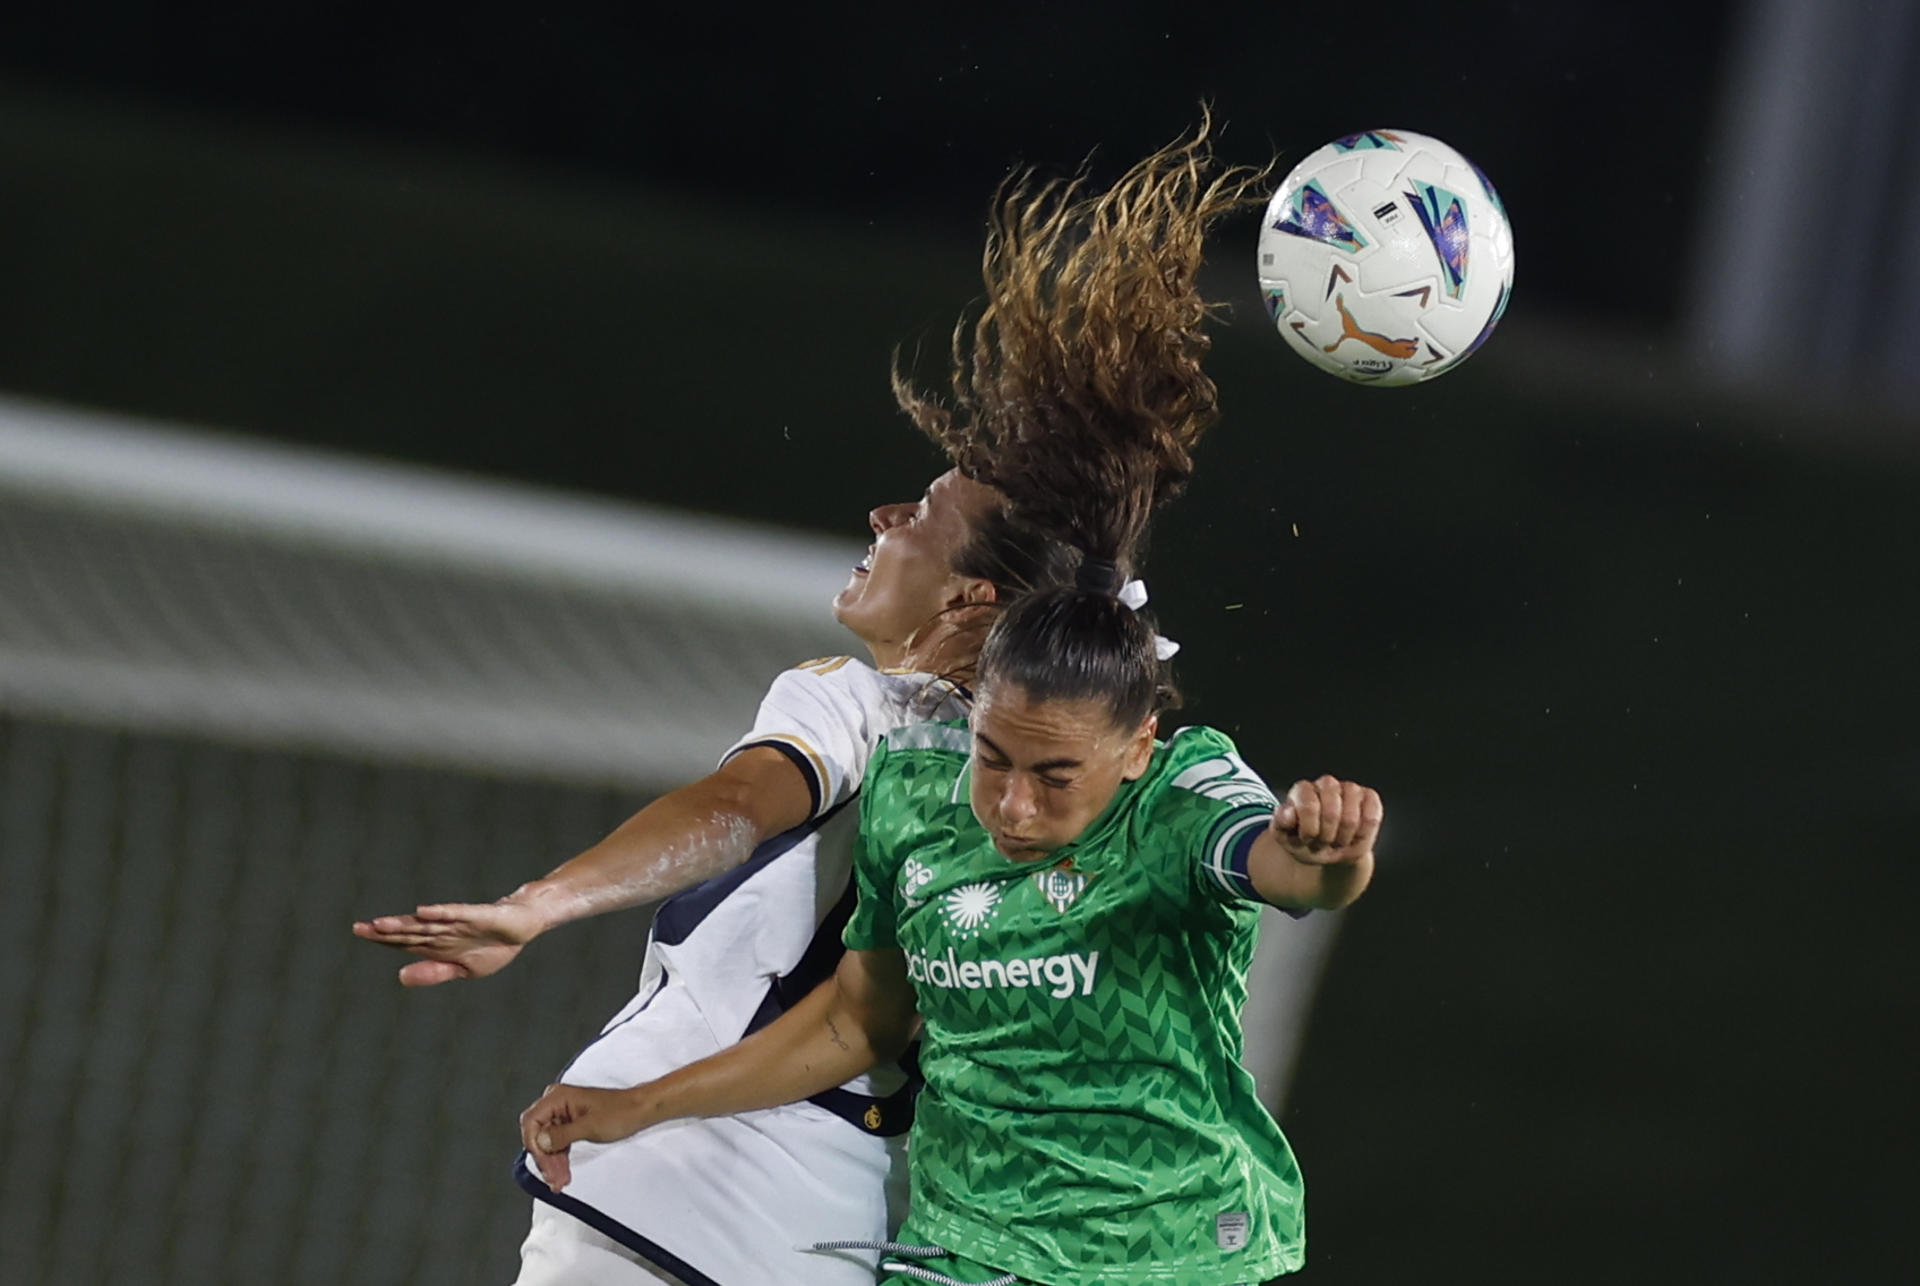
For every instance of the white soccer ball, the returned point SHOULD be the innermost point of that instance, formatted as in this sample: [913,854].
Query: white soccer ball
[1386,257]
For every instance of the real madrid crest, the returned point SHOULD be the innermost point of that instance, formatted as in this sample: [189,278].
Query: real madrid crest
[1062,885]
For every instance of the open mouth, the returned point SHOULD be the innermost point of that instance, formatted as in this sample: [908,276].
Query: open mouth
[865,565]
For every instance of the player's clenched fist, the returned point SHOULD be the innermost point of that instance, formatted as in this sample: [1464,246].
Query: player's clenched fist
[569,1114]
[1328,821]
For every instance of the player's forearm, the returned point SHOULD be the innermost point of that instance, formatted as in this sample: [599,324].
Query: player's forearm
[1340,883]
[680,839]
[1285,880]
[818,1044]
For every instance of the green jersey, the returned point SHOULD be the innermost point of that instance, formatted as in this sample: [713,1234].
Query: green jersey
[1085,1117]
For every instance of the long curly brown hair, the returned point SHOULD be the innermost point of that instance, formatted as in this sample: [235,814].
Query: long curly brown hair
[1077,386]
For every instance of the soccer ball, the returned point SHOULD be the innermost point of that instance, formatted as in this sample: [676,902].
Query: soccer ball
[1386,258]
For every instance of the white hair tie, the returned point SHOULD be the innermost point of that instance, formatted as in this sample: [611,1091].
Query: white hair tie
[1134,595]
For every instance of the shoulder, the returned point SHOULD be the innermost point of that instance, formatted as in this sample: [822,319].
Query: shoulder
[829,673]
[1198,740]
[942,737]
[838,691]
[1190,756]
[914,781]
[922,751]
[887,697]
[1204,762]
[824,716]
[1196,776]
[919,762]
[825,664]
[1204,803]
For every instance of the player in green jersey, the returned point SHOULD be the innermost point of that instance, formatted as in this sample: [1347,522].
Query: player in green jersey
[1065,904]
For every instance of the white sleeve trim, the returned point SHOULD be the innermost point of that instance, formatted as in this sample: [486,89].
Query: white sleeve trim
[1219,861]
[802,756]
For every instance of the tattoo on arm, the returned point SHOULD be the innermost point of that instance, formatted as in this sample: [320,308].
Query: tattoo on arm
[837,1038]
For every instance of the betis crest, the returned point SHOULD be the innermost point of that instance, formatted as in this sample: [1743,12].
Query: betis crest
[1062,885]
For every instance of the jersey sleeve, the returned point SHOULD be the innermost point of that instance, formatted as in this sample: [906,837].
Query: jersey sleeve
[1214,807]
[872,924]
[824,717]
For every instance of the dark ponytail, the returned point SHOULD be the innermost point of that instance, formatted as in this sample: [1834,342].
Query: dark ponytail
[1074,644]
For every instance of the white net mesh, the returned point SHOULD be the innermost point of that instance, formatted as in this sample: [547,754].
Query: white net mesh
[175,582]
[247,696]
[206,1078]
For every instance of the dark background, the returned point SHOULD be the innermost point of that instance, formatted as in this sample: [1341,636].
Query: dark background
[1627,652]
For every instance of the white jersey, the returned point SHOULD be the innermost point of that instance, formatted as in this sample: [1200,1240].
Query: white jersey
[727,1201]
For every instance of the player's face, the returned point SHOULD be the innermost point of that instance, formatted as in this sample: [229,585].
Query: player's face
[907,578]
[1043,770]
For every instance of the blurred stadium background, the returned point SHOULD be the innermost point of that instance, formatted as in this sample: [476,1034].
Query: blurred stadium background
[454,307]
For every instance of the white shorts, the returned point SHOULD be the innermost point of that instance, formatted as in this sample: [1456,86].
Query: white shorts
[562,1251]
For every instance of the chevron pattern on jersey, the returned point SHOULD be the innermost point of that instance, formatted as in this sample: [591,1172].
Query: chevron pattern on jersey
[1086,1117]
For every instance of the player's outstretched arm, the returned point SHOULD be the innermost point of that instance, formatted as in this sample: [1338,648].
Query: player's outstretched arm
[1318,853]
[680,839]
[862,1016]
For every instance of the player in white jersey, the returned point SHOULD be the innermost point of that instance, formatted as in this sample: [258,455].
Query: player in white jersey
[759,854]
[1083,370]
[725,958]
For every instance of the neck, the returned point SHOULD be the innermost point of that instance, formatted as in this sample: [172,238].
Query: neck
[944,646]
[886,656]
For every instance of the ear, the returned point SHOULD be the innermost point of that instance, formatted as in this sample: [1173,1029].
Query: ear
[971,591]
[1140,749]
